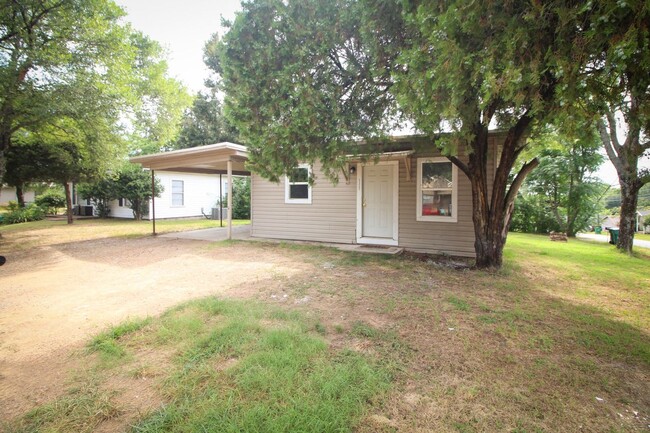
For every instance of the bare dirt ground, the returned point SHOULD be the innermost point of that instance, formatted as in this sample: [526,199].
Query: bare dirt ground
[54,298]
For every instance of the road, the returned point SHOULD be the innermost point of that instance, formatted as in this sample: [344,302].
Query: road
[605,238]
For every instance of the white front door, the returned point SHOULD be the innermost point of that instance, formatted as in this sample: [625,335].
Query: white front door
[379,203]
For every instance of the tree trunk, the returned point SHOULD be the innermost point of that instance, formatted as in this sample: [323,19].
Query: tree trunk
[625,158]
[492,213]
[68,202]
[20,196]
[627,224]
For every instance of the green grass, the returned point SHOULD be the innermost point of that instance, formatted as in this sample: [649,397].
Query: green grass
[525,349]
[238,366]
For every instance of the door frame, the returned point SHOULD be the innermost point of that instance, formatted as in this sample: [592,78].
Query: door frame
[370,240]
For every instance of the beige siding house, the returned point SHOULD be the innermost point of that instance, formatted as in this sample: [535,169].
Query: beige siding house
[413,199]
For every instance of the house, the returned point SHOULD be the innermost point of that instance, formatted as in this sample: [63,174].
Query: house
[8,193]
[410,197]
[609,222]
[641,215]
[185,195]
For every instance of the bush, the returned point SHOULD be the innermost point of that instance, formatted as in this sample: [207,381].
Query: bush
[31,212]
[51,200]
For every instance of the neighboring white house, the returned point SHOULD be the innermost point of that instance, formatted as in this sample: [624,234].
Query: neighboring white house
[185,195]
[8,193]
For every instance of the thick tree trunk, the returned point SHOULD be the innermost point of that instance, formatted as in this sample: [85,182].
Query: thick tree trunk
[493,212]
[68,202]
[627,224]
[20,196]
[625,158]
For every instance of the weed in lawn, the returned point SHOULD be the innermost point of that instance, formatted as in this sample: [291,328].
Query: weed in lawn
[459,304]
[107,343]
[81,410]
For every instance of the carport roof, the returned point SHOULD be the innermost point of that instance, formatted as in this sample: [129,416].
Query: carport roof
[212,159]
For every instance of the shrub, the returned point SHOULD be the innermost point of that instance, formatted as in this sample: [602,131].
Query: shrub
[51,200]
[31,212]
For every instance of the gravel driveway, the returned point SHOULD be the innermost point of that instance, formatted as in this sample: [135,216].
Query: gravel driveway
[53,299]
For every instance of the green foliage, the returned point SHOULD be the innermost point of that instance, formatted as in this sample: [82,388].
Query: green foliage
[101,192]
[134,184]
[204,123]
[60,60]
[157,101]
[107,343]
[532,215]
[31,212]
[562,187]
[646,221]
[241,198]
[51,200]
[289,70]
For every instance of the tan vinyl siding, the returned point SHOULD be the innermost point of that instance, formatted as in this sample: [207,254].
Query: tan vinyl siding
[438,237]
[331,217]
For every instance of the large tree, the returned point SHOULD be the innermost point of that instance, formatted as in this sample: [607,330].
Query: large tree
[305,78]
[204,123]
[56,56]
[157,102]
[618,84]
[564,180]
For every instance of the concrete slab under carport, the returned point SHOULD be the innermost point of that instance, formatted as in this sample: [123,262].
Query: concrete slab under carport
[242,232]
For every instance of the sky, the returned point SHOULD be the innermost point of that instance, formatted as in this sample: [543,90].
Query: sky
[183,27]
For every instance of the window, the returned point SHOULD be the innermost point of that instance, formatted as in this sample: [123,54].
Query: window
[178,193]
[437,195]
[122,202]
[297,188]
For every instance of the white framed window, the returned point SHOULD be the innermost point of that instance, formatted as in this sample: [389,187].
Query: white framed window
[122,202]
[178,193]
[296,185]
[437,190]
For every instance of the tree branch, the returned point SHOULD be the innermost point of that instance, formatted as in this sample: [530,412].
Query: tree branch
[519,180]
[611,151]
[460,164]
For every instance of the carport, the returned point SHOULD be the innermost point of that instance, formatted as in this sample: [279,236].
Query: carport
[221,158]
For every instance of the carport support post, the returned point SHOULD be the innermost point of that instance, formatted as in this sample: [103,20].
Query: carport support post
[229,199]
[153,201]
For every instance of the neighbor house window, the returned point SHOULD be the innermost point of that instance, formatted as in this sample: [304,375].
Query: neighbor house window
[178,198]
[437,190]
[297,187]
[122,202]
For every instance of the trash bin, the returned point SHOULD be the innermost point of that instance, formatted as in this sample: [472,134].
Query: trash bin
[613,236]
[598,230]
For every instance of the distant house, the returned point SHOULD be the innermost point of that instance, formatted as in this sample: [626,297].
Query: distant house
[185,195]
[641,215]
[609,222]
[8,193]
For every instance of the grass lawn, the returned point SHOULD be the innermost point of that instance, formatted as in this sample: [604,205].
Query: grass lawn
[42,233]
[558,341]
[643,236]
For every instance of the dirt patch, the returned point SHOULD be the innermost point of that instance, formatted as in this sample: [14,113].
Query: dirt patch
[53,299]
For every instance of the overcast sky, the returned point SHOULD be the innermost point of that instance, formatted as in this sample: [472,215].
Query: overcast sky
[183,27]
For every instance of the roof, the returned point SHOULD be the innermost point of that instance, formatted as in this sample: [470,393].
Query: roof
[212,158]
[643,212]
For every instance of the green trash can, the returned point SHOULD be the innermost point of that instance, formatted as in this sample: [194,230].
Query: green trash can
[598,230]
[613,236]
